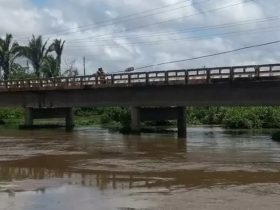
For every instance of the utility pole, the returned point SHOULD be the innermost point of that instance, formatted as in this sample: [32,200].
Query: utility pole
[84,59]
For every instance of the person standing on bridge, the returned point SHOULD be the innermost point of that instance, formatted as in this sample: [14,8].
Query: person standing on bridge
[101,76]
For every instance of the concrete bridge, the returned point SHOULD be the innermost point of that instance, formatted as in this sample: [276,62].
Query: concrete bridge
[157,95]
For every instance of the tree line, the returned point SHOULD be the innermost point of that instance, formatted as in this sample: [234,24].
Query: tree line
[45,59]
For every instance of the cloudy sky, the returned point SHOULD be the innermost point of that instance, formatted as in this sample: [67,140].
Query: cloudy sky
[116,34]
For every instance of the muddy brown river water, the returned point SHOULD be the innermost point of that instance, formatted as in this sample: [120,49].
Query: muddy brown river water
[93,169]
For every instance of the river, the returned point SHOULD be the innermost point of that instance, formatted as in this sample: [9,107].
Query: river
[94,169]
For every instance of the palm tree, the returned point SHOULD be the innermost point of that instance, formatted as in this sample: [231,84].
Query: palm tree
[9,51]
[48,67]
[58,46]
[36,51]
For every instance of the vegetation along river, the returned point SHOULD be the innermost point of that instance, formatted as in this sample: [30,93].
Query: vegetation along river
[91,168]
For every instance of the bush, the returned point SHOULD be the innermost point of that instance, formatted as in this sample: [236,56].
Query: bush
[119,115]
[240,117]
[207,116]
[11,113]
[270,117]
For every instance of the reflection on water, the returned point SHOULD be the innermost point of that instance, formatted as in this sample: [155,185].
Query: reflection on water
[101,170]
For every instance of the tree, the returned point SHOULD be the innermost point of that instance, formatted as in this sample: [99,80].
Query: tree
[9,51]
[71,69]
[58,46]
[19,72]
[36,51]
[49,67]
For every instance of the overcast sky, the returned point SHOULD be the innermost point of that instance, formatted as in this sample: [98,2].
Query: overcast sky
[116,34]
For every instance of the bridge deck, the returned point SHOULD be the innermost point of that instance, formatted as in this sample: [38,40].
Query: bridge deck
[173,77]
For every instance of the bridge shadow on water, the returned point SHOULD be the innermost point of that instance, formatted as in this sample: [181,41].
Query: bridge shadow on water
[113,180]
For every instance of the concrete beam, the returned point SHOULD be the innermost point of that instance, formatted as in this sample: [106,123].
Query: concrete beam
[249,93]
[28,117]
[69,122]
[224,94]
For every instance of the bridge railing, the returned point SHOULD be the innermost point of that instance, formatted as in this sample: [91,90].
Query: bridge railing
[182,76]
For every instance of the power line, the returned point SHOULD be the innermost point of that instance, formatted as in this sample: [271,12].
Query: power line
[192,29]
[121,19]
[262,29]
[96,43]
[172,19]
[98,25]
[209,55]
[187,16]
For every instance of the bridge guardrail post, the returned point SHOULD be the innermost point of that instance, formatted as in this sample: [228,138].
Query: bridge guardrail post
[112,79]
[257,72]
[231,74]
[81,81]
[96,80]
[187,77]
[208,73]
[147,78]
[129,79]
[166,78]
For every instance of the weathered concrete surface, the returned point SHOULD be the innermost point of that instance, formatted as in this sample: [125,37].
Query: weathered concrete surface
[135,120]
[224,94]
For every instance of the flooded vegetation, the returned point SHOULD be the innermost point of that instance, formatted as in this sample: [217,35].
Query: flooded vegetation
[92,168]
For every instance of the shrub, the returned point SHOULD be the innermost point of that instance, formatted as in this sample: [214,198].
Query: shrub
[11,113]
[240,117]
[119,115]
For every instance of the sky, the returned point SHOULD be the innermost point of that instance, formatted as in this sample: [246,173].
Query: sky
[117,34]
[38,2]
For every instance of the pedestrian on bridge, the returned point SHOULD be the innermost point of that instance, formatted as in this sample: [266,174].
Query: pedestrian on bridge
[101,76]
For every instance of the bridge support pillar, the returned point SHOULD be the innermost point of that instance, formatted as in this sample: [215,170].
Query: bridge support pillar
[135,120]
[28,117]
[182,122]
[69,122]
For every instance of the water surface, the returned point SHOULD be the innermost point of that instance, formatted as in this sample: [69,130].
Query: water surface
[92,168]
